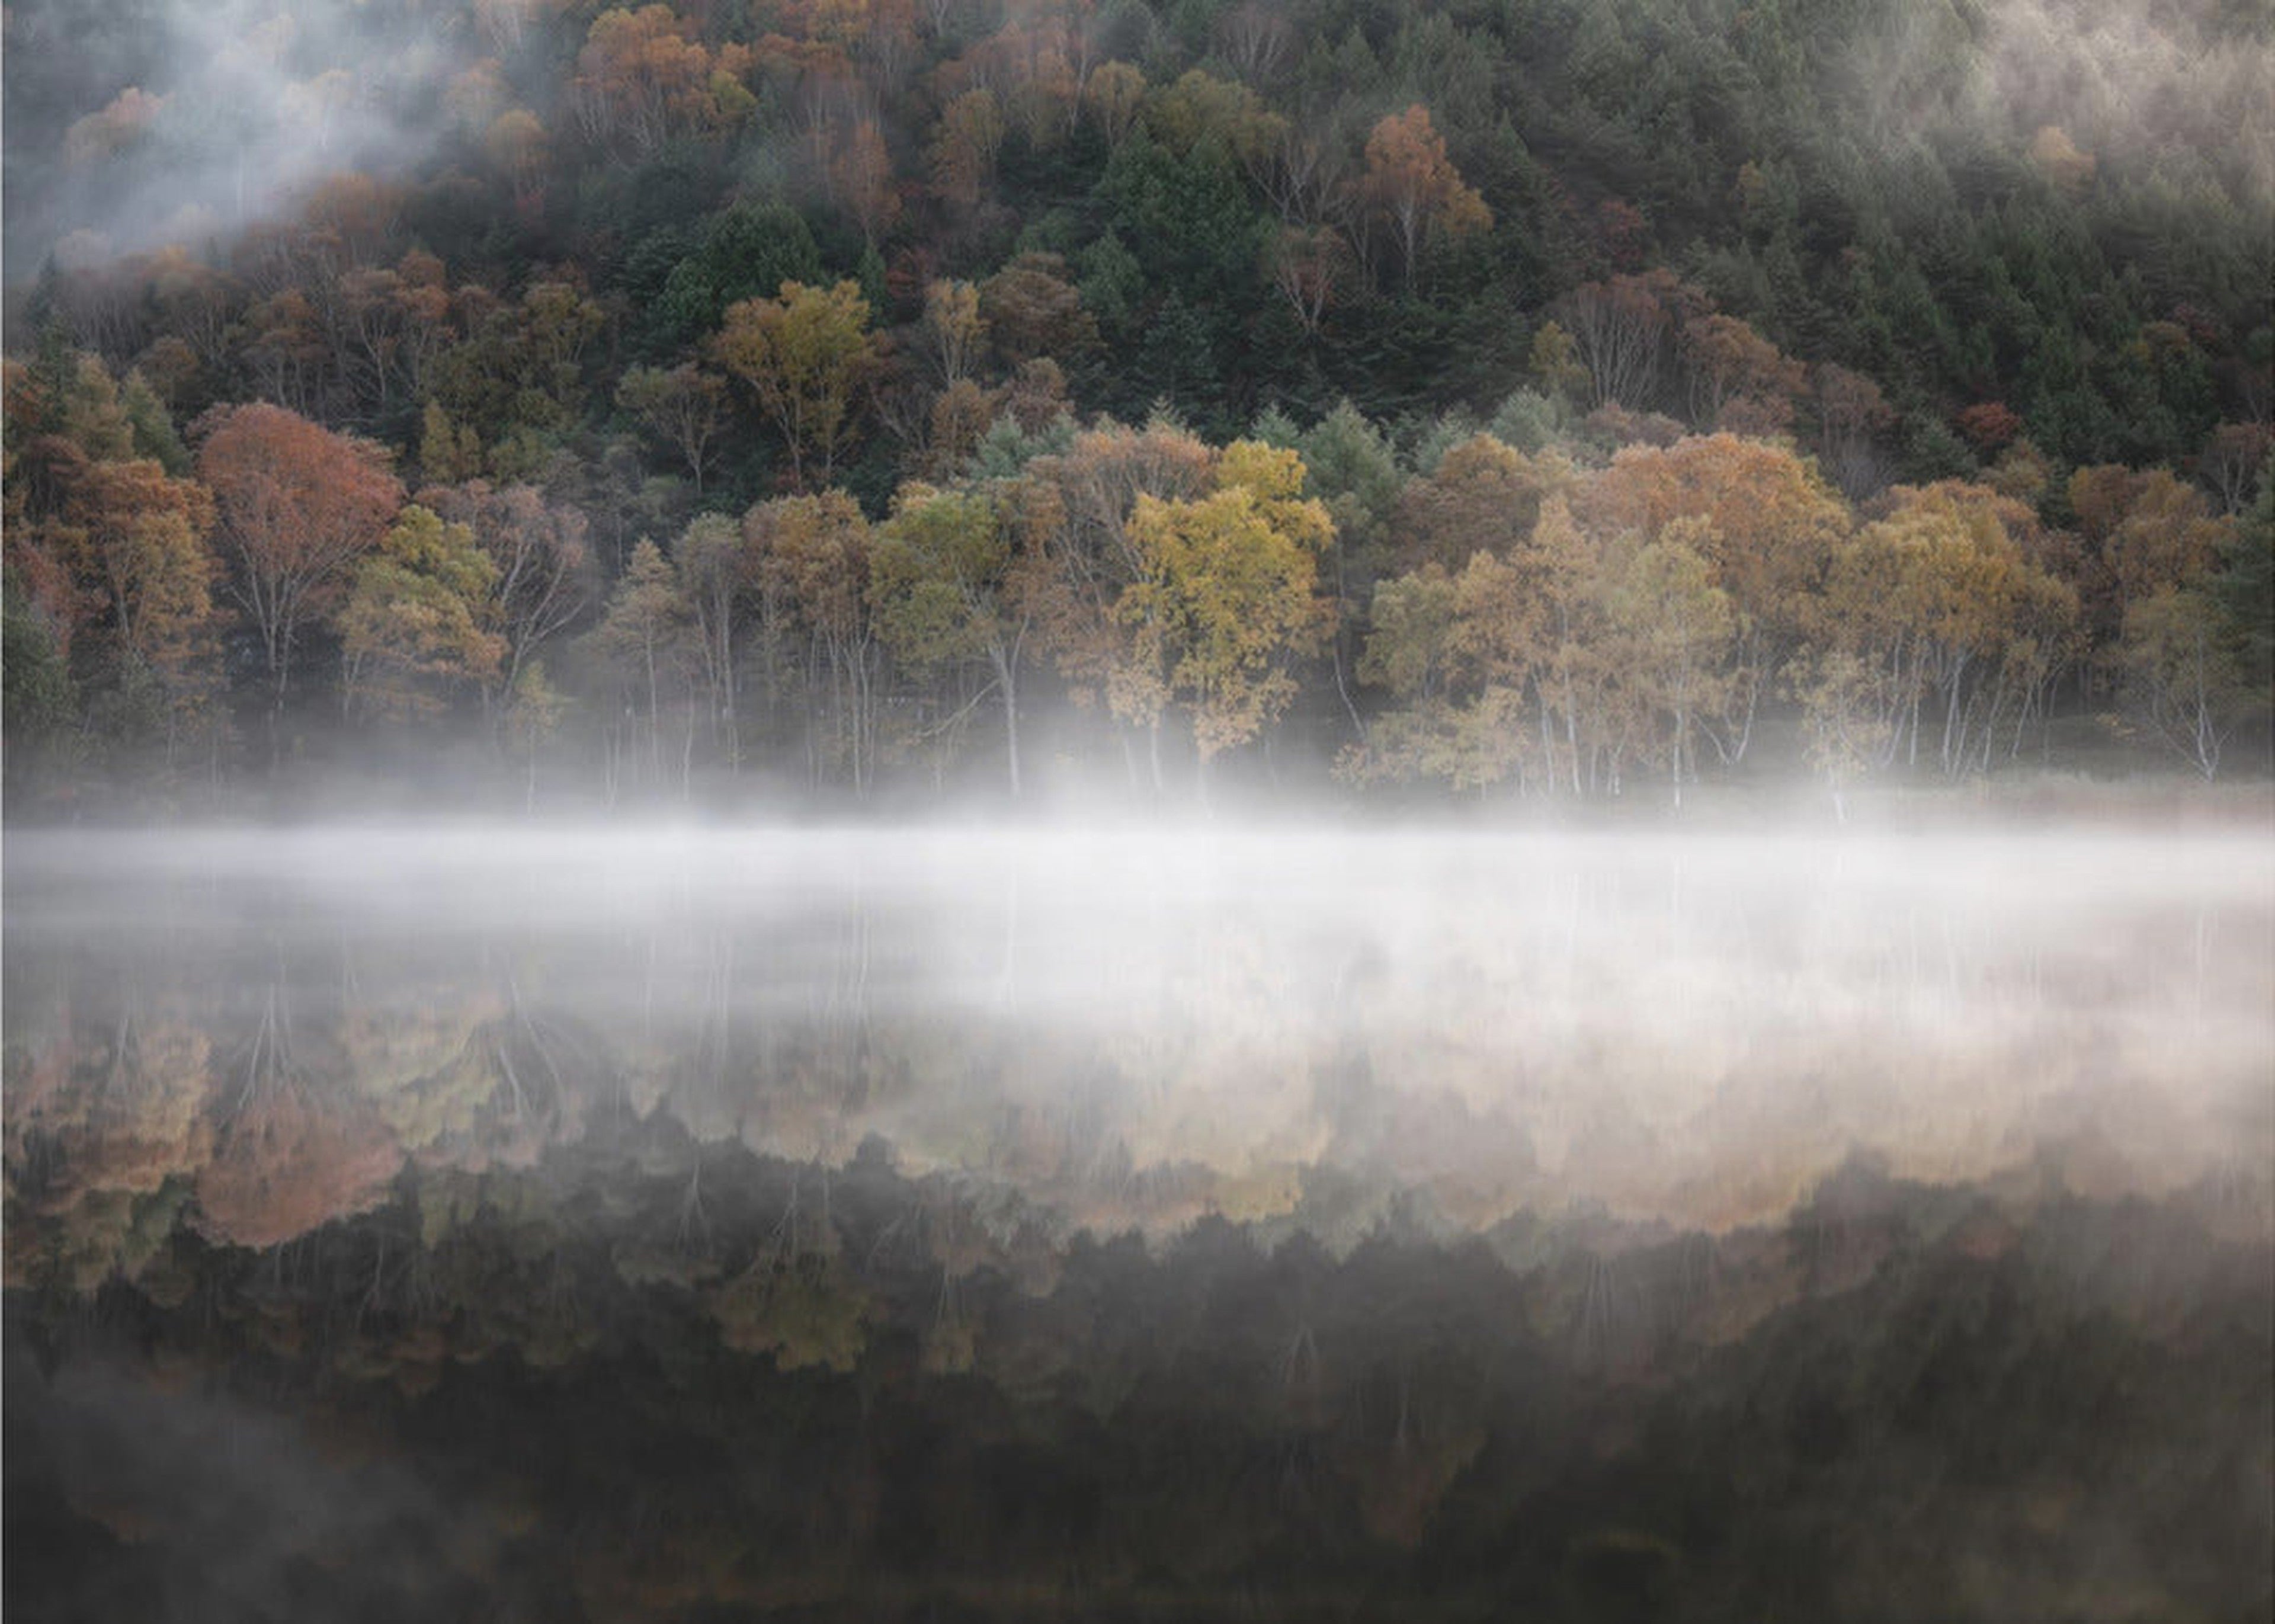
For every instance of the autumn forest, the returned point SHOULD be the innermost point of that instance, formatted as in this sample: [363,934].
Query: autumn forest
[1201,810]
[846,399]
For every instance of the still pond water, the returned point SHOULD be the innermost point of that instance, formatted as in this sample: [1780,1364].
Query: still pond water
[942,1224]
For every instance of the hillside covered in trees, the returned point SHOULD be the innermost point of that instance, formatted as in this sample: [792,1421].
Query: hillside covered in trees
[835,400]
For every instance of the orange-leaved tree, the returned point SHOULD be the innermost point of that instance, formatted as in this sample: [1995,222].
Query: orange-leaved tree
[296,505]
[1414,188]
[813,558]
[1772,527]
[137,539]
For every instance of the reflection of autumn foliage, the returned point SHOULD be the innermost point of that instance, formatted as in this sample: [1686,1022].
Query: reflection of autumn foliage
[102,1235]
[1401,1486]
[805,1313]
[1225,1407]
[120,1114]
[462,1079]
[395,1045]
[497,1273]
[96,1128]
[289,1162]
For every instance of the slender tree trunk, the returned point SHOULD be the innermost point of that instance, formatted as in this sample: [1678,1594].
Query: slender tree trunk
[1572,738]
[723,664]
[1679,729]
[1007,667]
[1007,678]
[1746,728]
[654,720]
[1335,648]
[1951,711]
[808,709]
[278,637]
[1547,747]
[865,725]
[1917,686]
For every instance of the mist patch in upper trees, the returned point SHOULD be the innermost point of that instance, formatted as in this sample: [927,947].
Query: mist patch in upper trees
[135,124]
[2078,80]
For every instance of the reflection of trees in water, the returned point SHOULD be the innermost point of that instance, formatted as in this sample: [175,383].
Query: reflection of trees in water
[106,1090]
[463,1072]
[290,1153]
[1651,1031]
[803,1311]
[604,1209]
[771,1038]
[281,1098]
[486,1055]
[877,1390]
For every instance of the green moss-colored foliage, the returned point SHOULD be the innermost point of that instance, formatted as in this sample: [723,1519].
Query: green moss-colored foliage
[747,251]
[36,695]
[2244,591]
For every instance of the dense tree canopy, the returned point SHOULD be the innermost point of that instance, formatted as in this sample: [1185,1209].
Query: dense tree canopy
[582,276]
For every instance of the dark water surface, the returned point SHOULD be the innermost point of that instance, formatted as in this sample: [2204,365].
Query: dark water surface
[937,1224]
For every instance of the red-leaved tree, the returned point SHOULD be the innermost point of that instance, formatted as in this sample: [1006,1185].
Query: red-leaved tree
[295,506]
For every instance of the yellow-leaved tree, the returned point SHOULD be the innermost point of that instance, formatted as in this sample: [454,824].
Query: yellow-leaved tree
[1226,595]
[949,591]
[420,624]
[806,357]
[1939,596]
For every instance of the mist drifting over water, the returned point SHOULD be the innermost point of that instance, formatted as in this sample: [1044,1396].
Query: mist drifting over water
[1257,1222]
[1143,1026]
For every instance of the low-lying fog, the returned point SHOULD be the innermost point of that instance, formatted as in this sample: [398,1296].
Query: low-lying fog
[1136,1027]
